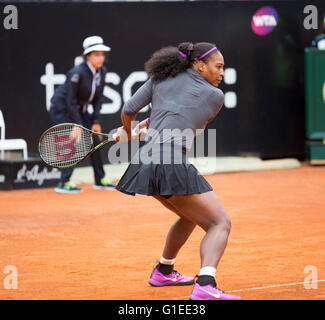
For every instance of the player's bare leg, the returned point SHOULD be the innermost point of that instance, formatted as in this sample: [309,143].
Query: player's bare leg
[163,273]
[178,233]
[206,210]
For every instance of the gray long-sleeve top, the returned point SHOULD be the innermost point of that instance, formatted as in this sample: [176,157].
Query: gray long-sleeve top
[180,106]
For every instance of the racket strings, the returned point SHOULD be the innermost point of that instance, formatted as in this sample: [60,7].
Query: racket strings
[65,146]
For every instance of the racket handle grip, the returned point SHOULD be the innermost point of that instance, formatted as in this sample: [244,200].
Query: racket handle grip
[115,134]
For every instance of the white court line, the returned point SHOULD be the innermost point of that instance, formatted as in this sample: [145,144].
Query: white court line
[267,287]
[278,285]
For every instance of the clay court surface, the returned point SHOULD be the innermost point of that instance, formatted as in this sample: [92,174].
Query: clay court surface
[103,244]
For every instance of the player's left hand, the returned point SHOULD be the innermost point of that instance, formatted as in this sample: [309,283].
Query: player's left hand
[121,135]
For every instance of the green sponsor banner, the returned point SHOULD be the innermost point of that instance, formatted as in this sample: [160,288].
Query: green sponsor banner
[315,152]
[315,93]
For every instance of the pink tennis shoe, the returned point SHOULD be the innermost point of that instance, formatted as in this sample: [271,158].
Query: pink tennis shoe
[157,279]
[209,292]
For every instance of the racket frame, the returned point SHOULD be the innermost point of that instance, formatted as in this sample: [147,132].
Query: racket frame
[111,137]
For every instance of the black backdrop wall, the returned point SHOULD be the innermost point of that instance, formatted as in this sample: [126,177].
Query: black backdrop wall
[265,112]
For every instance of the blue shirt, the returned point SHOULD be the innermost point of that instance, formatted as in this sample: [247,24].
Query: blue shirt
[319,42]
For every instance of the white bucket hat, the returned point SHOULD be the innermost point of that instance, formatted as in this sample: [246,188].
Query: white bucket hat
[94,43]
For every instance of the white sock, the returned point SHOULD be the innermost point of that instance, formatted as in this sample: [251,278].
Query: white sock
[208,271]
[167,261]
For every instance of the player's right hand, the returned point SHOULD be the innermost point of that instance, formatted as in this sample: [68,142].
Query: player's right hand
[140,131]
[121,134]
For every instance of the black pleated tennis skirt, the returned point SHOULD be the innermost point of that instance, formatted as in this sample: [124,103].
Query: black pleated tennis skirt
[162,169]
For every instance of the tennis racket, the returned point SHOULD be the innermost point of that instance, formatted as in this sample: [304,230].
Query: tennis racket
[66,145]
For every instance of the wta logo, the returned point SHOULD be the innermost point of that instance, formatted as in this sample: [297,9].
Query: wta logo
[264,21]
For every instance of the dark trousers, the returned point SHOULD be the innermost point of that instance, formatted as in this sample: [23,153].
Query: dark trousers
[95,158]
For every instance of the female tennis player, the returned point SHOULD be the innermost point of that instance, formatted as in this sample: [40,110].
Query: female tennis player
[183,92]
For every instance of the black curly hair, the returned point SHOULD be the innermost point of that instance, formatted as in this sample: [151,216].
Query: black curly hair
[170,61]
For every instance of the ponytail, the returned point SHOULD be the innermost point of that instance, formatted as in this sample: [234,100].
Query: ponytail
[170,61]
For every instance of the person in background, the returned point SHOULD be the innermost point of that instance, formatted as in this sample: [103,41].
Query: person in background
[84,85]
[319,41]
